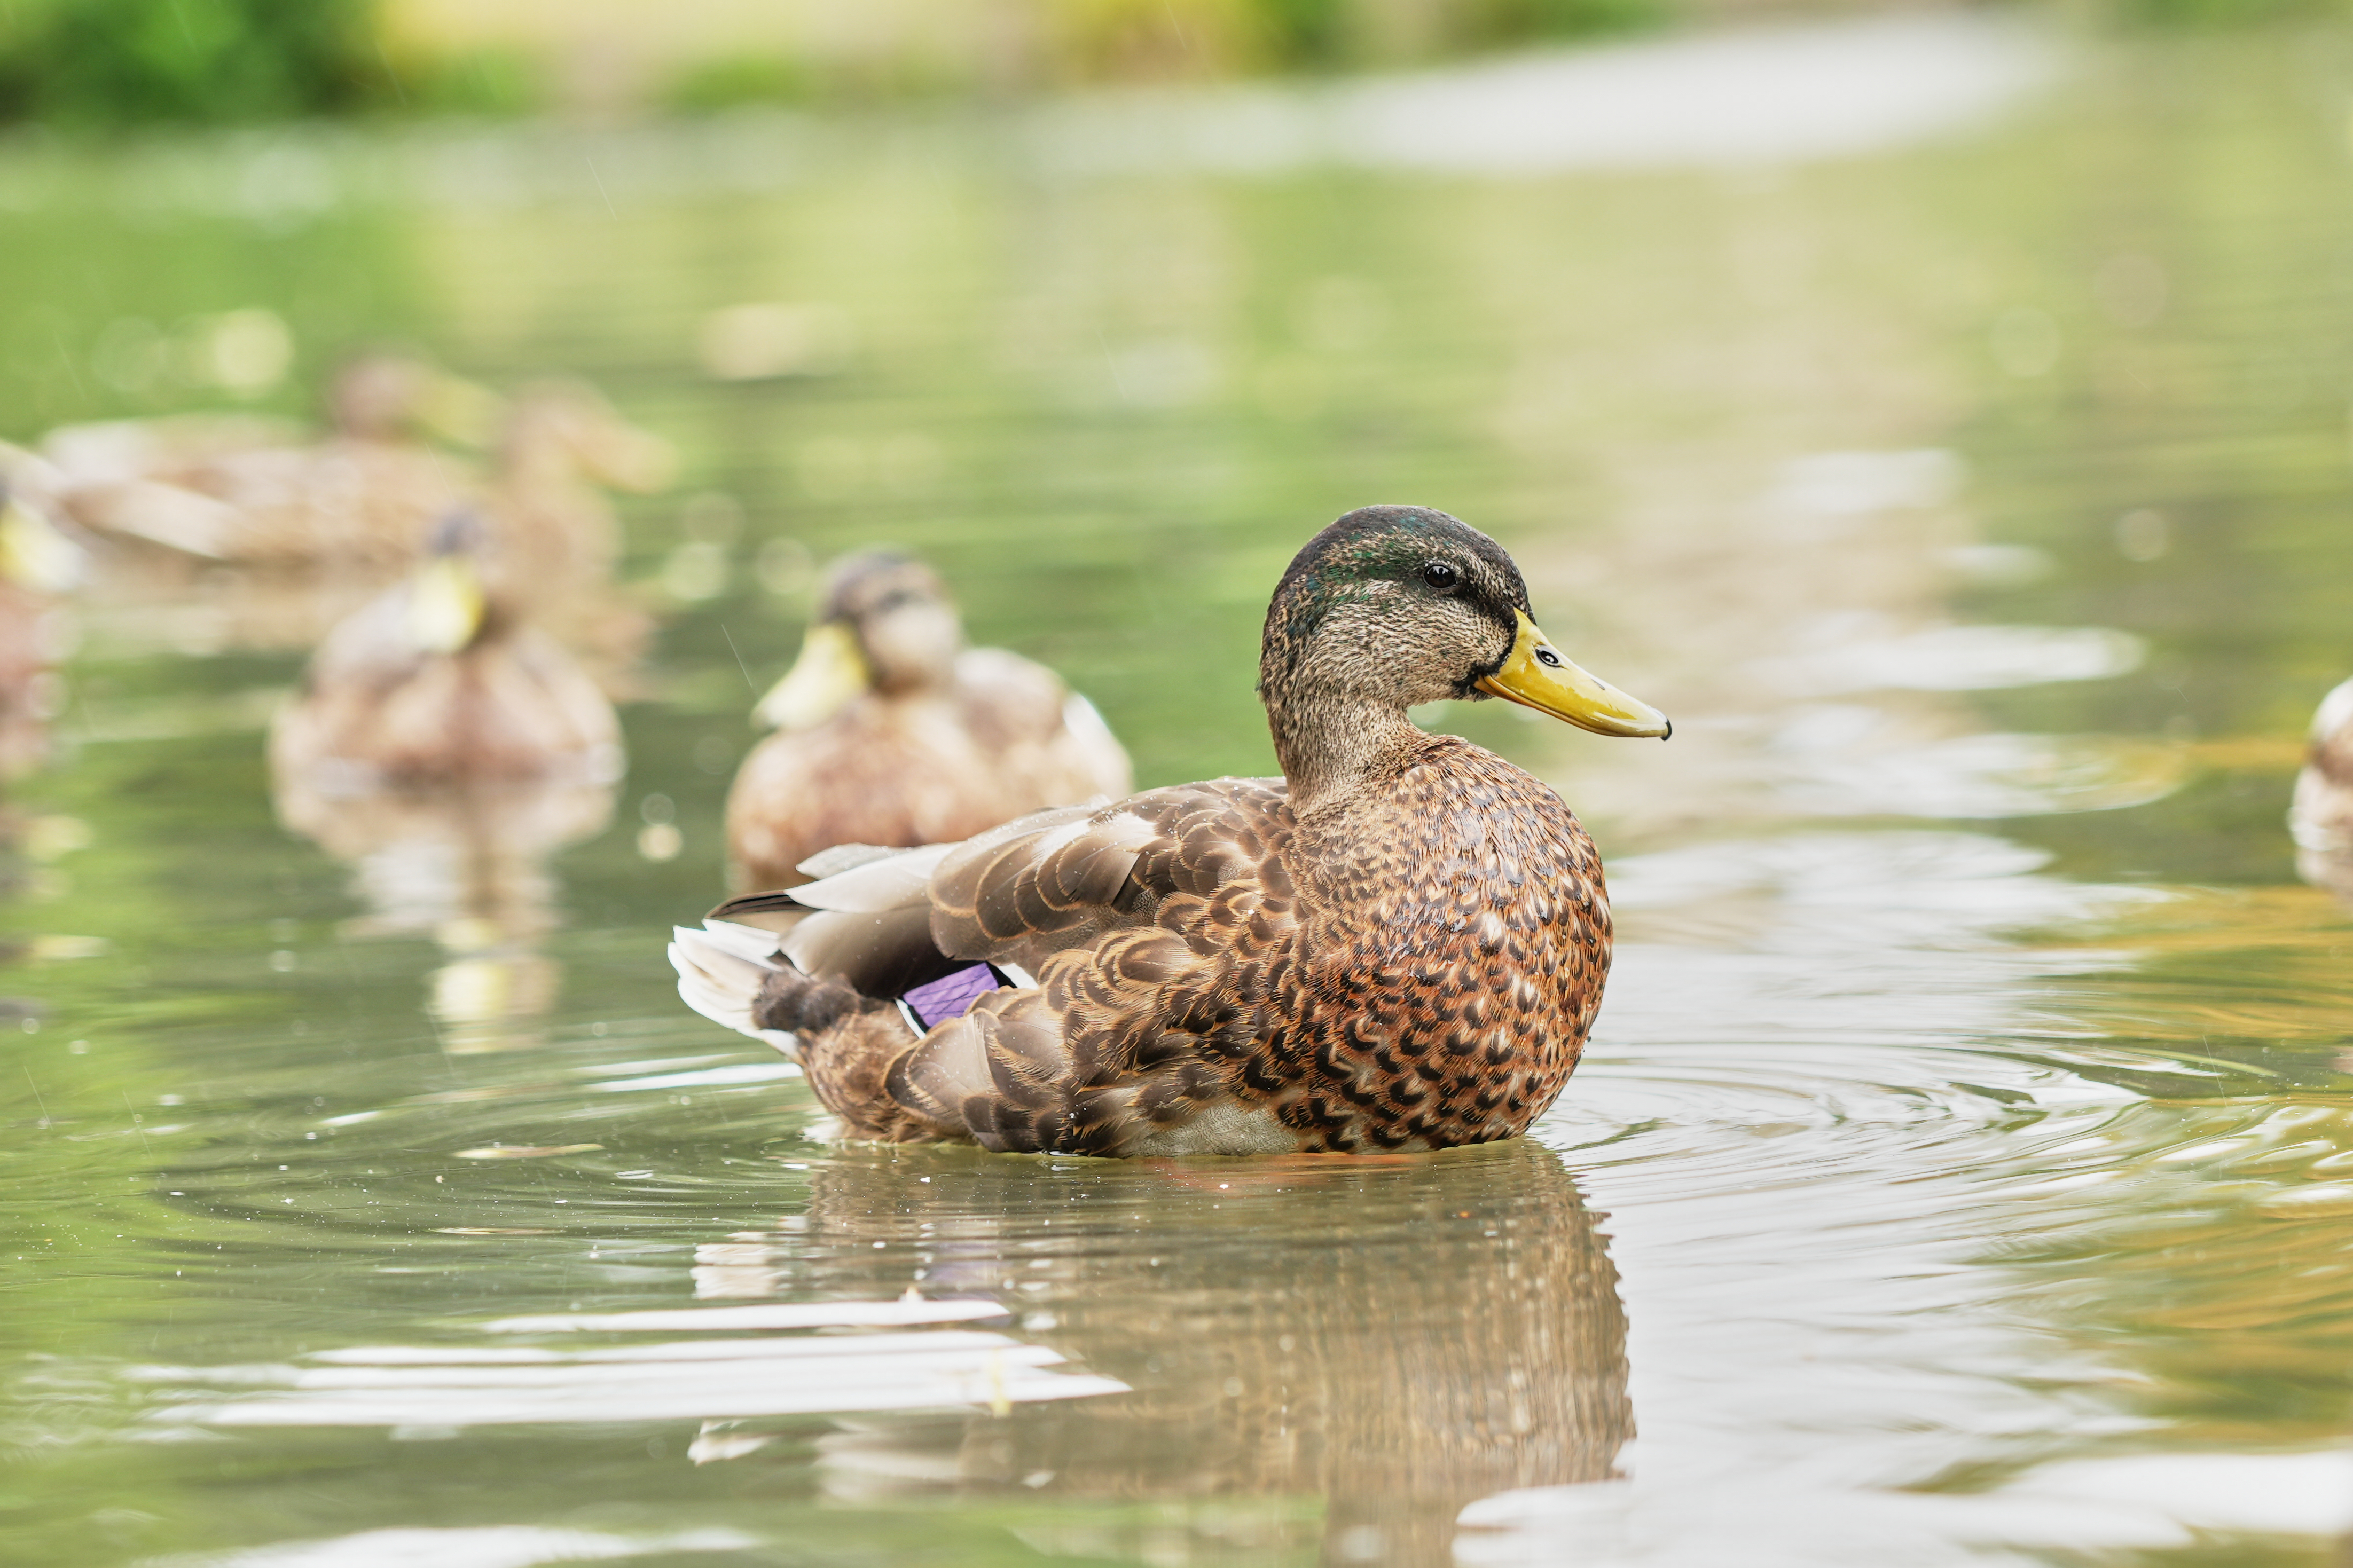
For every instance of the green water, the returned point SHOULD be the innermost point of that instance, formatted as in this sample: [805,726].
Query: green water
[1963,1168]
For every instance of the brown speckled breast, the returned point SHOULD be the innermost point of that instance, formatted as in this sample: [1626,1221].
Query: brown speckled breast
[1447,965]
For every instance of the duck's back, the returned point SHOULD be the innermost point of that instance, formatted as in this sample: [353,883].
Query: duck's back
[344,504]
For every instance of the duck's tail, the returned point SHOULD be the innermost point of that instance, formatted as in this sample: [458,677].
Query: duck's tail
[899,1037]
[783,966]
[723,972]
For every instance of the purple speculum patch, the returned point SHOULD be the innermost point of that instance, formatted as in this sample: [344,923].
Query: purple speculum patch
[951,994]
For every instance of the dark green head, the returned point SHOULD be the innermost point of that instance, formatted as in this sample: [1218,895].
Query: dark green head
[1396,605]
[1401,603]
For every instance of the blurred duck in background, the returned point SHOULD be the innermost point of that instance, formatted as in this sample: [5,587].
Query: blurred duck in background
[268,546]
[382,397]
[441,681]
[362,499]
[38,565]
[891,732]
[445,747]
[259,490]
[562,448]
[2320,817]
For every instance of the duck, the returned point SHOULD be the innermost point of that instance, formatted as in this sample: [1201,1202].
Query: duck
[2320,814]
[38,565]
[255,488]
[360,500]
[440,683]
[1400,944]
[889,731]
[445,747]
[381,396]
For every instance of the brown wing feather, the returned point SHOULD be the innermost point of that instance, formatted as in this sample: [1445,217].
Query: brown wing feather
[1140,919]
[1005,1072]
[1060,880]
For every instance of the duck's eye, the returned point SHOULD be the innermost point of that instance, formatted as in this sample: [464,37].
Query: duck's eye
[1439,575]
[1546,656]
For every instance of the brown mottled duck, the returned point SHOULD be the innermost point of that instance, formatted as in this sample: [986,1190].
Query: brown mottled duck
[441,682]
[891,732]
[1398,944]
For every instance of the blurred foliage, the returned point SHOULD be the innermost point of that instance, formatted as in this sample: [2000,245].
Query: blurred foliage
[99,64]
[475,82]
[768,77]
[747,78]
[2217,12]
[1325,34]
[1095,40]
[105,62]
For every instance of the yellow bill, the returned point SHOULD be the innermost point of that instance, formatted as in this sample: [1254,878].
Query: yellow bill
[445,603]
[1537,676]
[829,673]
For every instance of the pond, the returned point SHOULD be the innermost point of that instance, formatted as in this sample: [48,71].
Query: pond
[1962,1171]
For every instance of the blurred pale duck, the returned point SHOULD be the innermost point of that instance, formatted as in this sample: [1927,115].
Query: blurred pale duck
[441,682]
[363,498]
[891,732]
[1398,944]
[383,396]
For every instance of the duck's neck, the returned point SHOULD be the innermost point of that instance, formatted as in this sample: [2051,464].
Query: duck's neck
[1334,749]
[906,681]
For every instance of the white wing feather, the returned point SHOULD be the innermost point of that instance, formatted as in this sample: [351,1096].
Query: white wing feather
[891,883]
[720,972]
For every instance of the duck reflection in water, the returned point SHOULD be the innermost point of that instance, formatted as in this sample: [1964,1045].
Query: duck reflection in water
[446,748]
[2321,816]
[1392,1337]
